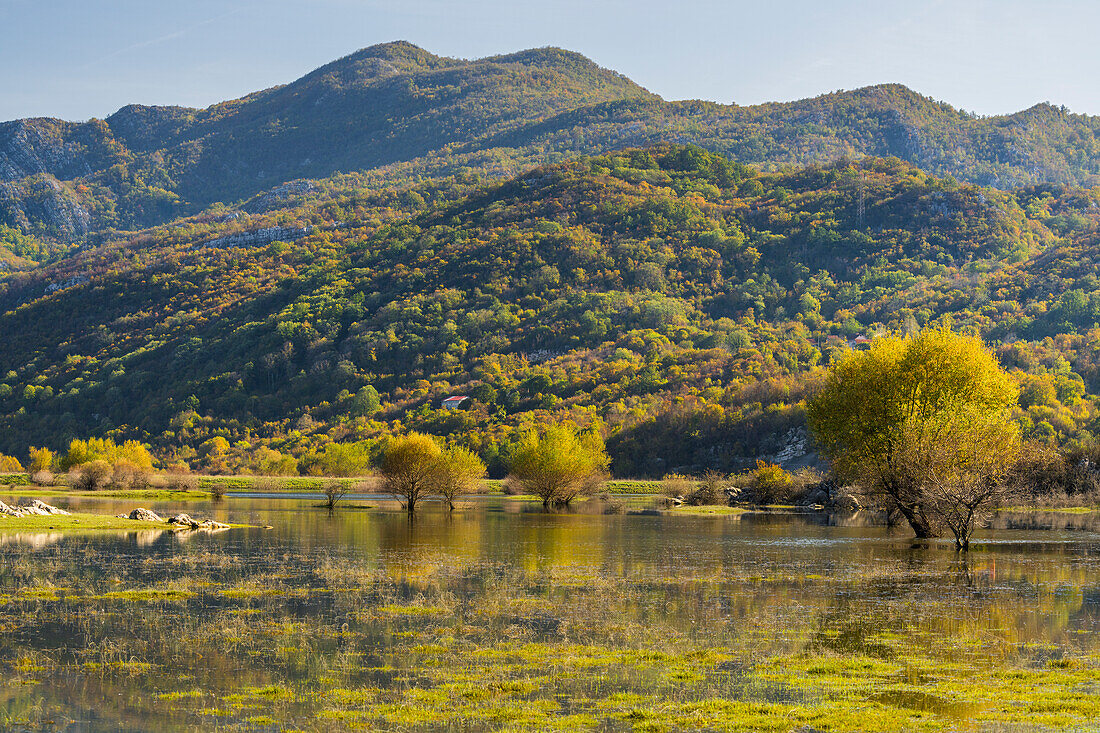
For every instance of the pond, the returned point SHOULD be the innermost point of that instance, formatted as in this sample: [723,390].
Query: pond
[504,617]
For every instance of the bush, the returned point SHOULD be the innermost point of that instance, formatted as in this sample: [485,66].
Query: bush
[771,484]
[90,476]
[43,478]
[126,475]
[677,486]
[711,490]
[334,491]
[181,482]
[8,464]
[1057,478]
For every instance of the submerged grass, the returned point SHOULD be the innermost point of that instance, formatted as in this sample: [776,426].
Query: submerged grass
[422,638]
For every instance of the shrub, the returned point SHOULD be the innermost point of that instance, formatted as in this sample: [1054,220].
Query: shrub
[8,464]
[770,483]
[181,482]
[90,476]
[677,486]
[334,491]
[711,490]
[126,475]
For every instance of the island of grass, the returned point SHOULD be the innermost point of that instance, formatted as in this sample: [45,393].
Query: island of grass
[83,522]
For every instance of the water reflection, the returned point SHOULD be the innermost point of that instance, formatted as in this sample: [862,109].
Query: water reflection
[378,606]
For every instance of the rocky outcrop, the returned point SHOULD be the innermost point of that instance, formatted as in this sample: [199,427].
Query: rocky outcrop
[144,515]
[827,495]
[42,199]
[258,238]
[279,197]
[184,520]
[32,146]
[35,508]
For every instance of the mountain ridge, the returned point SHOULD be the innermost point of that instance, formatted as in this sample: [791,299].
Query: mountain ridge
[401,114]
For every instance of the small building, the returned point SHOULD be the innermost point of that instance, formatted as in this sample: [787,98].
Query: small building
[860,343]
[452,403]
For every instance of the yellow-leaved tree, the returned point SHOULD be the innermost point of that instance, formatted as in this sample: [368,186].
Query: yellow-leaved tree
[415,466]
[921,424]
[559,463]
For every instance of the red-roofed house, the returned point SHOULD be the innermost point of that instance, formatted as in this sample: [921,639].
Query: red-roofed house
[452,403]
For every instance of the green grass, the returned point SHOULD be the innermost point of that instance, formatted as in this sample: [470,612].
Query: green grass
[633,486]
[80,522]
[146,494]
[74,523]
[706,511]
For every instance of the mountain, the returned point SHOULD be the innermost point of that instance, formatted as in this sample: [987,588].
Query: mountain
[682,300]
[396,114]
[379,106]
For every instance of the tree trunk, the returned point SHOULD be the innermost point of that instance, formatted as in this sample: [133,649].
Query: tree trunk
[920,524]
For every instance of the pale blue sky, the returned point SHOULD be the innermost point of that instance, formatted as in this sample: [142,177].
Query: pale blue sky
[86,58]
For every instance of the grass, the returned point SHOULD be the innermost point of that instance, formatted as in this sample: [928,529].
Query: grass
[74,523]
[80,522]
[146,494]
[706,511]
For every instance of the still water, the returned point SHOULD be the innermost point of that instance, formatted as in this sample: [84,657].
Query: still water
[504,617]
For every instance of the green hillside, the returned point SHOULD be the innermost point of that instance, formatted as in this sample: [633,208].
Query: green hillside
[682,300]
[398,114]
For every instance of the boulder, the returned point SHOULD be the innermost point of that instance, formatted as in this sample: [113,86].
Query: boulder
[816,496]
[42,508]
[211,524]
[36,508]
[184,520]
[144,515]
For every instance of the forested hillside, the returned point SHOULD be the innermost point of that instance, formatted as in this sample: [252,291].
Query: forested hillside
[679,299]
[396,114]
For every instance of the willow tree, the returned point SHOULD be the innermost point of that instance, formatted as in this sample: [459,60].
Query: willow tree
[415,467]
[558,463]
[921,423]
[409,466]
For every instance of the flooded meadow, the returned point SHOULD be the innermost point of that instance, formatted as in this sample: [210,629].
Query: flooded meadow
[501,616]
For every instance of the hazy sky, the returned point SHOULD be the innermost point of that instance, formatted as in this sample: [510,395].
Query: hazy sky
[86,58]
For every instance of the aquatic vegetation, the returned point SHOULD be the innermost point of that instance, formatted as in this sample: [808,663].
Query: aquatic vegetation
[537,621]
